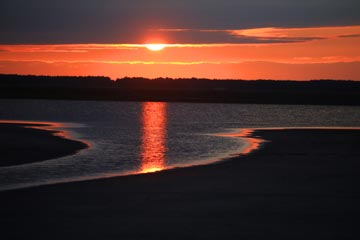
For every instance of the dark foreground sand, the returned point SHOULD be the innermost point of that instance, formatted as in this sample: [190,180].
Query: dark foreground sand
[22,143]
[303,184]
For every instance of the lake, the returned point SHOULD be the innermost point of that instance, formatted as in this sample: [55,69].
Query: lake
[140,137]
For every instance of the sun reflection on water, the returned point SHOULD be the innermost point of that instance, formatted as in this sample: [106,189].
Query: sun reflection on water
[153,142]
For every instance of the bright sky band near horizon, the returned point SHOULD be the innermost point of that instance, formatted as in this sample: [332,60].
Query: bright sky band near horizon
[287,40]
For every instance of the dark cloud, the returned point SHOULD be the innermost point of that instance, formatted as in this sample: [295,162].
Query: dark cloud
[188,36]
[127,21]
[350,36]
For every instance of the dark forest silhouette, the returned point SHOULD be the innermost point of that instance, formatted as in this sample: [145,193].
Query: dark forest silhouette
[184,90]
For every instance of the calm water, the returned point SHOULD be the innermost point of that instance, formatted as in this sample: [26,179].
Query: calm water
[134,137]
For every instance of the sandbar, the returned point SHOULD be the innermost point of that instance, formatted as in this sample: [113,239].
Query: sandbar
[300,184]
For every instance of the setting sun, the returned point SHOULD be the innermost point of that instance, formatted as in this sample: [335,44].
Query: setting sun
[155,47]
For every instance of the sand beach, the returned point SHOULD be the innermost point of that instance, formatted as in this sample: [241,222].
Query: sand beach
[300,184]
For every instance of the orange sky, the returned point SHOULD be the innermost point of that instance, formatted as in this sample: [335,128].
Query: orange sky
[277,53]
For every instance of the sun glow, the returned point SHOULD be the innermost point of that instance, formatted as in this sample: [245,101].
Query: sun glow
[155,46]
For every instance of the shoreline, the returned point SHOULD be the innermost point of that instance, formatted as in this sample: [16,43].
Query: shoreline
[252,143]
[24,142]
[301,184]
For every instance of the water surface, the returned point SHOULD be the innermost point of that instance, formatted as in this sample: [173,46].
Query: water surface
[136,137]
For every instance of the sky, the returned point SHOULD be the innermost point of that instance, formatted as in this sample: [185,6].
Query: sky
[232,39]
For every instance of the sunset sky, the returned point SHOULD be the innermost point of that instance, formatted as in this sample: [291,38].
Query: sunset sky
[248,39]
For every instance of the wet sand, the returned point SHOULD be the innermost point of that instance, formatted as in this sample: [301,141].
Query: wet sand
[27,142]
[301,184]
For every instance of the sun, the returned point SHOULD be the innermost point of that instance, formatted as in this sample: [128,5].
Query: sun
[155,46]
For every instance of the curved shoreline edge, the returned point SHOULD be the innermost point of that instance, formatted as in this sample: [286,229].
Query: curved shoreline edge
[24,142]
[253,137]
